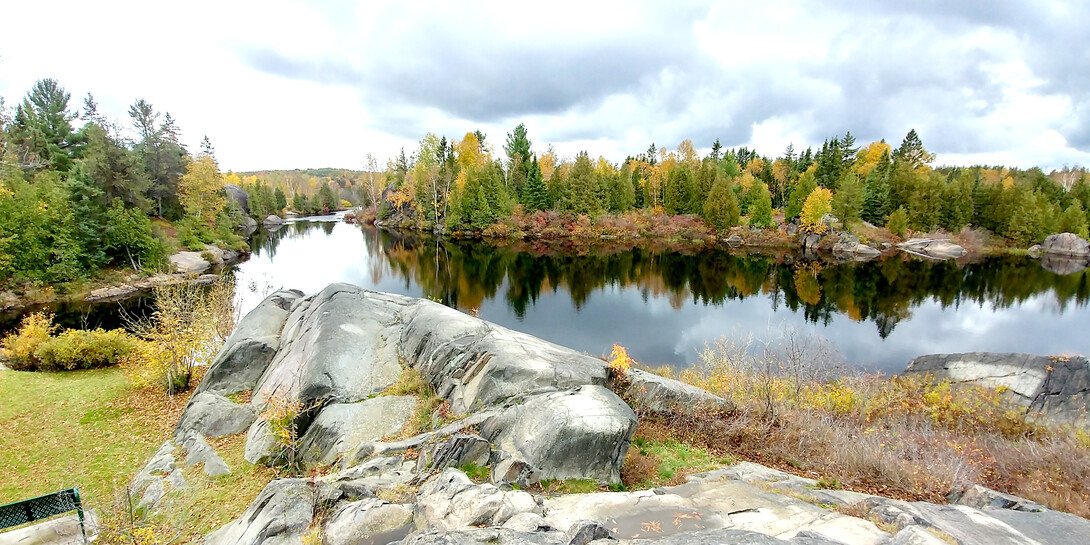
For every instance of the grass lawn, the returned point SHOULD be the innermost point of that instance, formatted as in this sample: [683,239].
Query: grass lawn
[77,428]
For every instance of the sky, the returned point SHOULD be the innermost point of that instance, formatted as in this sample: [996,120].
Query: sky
[281,84]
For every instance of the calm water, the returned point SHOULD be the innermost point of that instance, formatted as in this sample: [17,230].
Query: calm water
[664,306]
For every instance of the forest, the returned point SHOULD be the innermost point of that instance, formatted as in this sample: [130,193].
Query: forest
[461,185]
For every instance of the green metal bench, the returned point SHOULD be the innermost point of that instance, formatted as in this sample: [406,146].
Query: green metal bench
[43,507]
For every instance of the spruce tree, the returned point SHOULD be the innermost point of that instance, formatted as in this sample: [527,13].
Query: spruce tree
[535,195]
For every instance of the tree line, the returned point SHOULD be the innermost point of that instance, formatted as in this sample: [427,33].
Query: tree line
[451,185]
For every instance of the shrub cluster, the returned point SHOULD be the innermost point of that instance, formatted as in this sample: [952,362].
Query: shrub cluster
[34,347]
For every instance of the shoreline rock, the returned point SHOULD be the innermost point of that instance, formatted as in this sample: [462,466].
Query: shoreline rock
[531,410]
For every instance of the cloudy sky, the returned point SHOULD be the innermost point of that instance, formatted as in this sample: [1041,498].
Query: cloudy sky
[282,84]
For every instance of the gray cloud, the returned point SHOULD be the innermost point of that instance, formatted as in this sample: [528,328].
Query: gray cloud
[890,67]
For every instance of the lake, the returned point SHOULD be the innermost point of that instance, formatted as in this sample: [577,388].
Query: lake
[665,305]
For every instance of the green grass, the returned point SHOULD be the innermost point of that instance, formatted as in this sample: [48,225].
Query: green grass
[73,428]
[661,461]
[570,486]
[210,502]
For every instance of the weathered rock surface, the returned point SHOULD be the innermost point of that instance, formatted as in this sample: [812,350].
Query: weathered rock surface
[334,347]
[368,519]
[932,248]
[189,262]
[143,284]
[341,426]
[450,500]
[281,514]
[1056,387]
[247,352]
[1068,244]
[156,478]
[272,221]
[571,434]
[473,363]
[650,392]
[214,416]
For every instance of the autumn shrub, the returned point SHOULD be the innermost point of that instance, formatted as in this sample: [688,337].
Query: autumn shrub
[34,347]
[911,437]
[186,330]
[85,349]
[20,348]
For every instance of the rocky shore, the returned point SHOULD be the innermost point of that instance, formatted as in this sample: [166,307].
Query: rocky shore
[526,410]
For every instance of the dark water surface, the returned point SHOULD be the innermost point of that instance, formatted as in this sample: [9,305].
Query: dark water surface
[665,305]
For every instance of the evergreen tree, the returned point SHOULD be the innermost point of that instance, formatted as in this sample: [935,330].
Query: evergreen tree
[848,198]
[41,129]
[679,190]
[876,193]
[582,196]
[281,199]
[535,195]
[957,202]
[721,209]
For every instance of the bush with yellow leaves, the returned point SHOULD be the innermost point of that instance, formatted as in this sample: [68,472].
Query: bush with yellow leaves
[188,327]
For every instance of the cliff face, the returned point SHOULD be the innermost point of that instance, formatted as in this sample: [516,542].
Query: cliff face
[523,408]
[1051,386]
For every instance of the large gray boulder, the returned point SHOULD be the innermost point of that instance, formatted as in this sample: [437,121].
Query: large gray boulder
[247,352]
[848,248]
[339,427]
[213,415]
[239,195]
[570,434]
[335,347]
[1068,244]
[1053,386]
[189,262]
[280,514]
[932,248]
[473,363]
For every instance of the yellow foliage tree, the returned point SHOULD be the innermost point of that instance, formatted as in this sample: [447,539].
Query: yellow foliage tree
[188,327]
[200,189]
[817,205]
[867,158]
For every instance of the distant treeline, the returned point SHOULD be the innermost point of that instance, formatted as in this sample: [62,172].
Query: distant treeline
[460,185]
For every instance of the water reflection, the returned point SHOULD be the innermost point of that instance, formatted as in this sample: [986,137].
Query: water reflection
[666,304]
